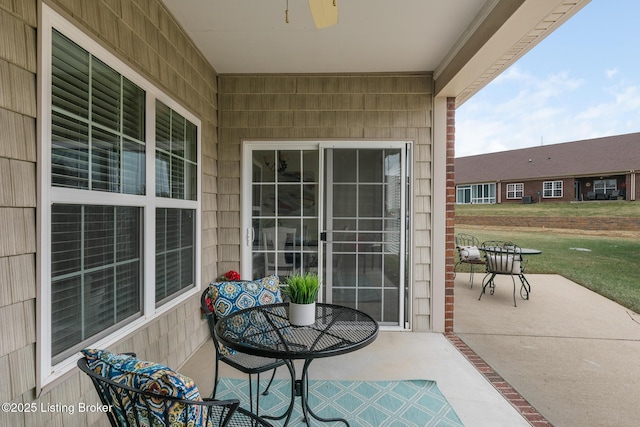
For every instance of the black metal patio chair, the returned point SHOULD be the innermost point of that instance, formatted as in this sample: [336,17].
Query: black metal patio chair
[246,363]
[469,252]
[504,258]
[130,406]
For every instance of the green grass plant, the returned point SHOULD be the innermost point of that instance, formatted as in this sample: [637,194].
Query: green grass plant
[609,266]
[302,288]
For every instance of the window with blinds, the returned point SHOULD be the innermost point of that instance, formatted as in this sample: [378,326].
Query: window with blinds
[96,268]
[98,118]
[176,161]
[175,234]
[98,144]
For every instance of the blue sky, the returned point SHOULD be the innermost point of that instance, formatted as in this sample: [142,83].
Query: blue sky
[581,82]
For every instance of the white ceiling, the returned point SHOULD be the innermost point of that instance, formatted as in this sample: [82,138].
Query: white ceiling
[251,36]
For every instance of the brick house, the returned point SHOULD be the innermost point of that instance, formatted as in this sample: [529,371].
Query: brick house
[593,169]
[104,101]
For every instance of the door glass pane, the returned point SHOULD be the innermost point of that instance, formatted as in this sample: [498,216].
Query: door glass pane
[284,212]
[289,166]
[344,166]
[364,218]
[370,201]
[344,202]
[370,157]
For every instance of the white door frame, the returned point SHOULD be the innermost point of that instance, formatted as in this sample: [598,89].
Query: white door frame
[248,234]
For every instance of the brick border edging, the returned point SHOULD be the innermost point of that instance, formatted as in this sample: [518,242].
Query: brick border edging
[509,393]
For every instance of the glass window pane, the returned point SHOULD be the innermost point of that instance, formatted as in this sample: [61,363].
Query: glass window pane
[99,232]
[105,95]
[370,201]
[133,168]
[370,165]
[345,166]
[344,200]
[76,136]
[69,152]
[163,127]
[70,76]
[105,161]
[96,271]
[264,166]
[66,313]
[175,252]
[288,166]
[133,110]
[176,141]
[289,200]
[163,166]
[66,240]
[264,200]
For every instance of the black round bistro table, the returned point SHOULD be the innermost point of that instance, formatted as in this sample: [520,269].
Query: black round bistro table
[265,331]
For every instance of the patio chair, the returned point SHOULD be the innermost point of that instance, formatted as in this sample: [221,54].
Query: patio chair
[276,241]
[469,252]
[504,258]
[218,300]
[139,393]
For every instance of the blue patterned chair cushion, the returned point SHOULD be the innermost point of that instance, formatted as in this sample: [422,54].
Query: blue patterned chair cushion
[148,377]
[229,297]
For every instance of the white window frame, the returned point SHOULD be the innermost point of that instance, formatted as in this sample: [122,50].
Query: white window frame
[603,185]
[515,190]
[461,192]
[484,198]
[47,373]
[555,190]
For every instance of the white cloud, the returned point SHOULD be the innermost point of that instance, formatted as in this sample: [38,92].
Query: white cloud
[611,73]
[520,110]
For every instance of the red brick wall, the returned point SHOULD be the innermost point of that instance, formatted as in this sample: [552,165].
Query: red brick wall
[531,188]
[450,208]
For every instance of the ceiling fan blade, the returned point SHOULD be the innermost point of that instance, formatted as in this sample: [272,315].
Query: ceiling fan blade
[324,12]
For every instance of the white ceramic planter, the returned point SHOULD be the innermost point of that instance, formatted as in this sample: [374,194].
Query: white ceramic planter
[302,314]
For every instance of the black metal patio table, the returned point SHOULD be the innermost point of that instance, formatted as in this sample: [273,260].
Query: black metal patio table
[265,331]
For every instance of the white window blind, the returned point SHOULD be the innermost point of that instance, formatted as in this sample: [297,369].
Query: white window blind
[96,270]
[97,123]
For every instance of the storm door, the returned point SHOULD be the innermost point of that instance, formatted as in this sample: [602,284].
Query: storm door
[339,212]
[365,224]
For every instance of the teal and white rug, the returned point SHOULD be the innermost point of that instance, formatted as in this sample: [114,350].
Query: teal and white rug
[409,403]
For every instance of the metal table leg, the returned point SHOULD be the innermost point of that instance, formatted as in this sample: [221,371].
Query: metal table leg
[306,409]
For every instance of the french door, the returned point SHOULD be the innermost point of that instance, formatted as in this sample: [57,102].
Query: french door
[335,209]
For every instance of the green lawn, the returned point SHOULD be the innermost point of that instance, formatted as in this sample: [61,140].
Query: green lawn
[613,208]
[608,266]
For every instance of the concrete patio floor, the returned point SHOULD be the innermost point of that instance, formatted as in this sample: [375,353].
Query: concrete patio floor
[396,356]
[571,353]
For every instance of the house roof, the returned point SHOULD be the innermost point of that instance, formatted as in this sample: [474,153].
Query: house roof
[464,43]
[598,156]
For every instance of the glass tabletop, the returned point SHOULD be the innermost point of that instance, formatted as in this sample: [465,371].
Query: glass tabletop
[265,331]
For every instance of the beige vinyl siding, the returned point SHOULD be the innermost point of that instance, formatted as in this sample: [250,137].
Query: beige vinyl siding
[143,34]
[17,200]
[355,107]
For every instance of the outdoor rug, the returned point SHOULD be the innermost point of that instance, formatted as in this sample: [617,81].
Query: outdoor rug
[408,403]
